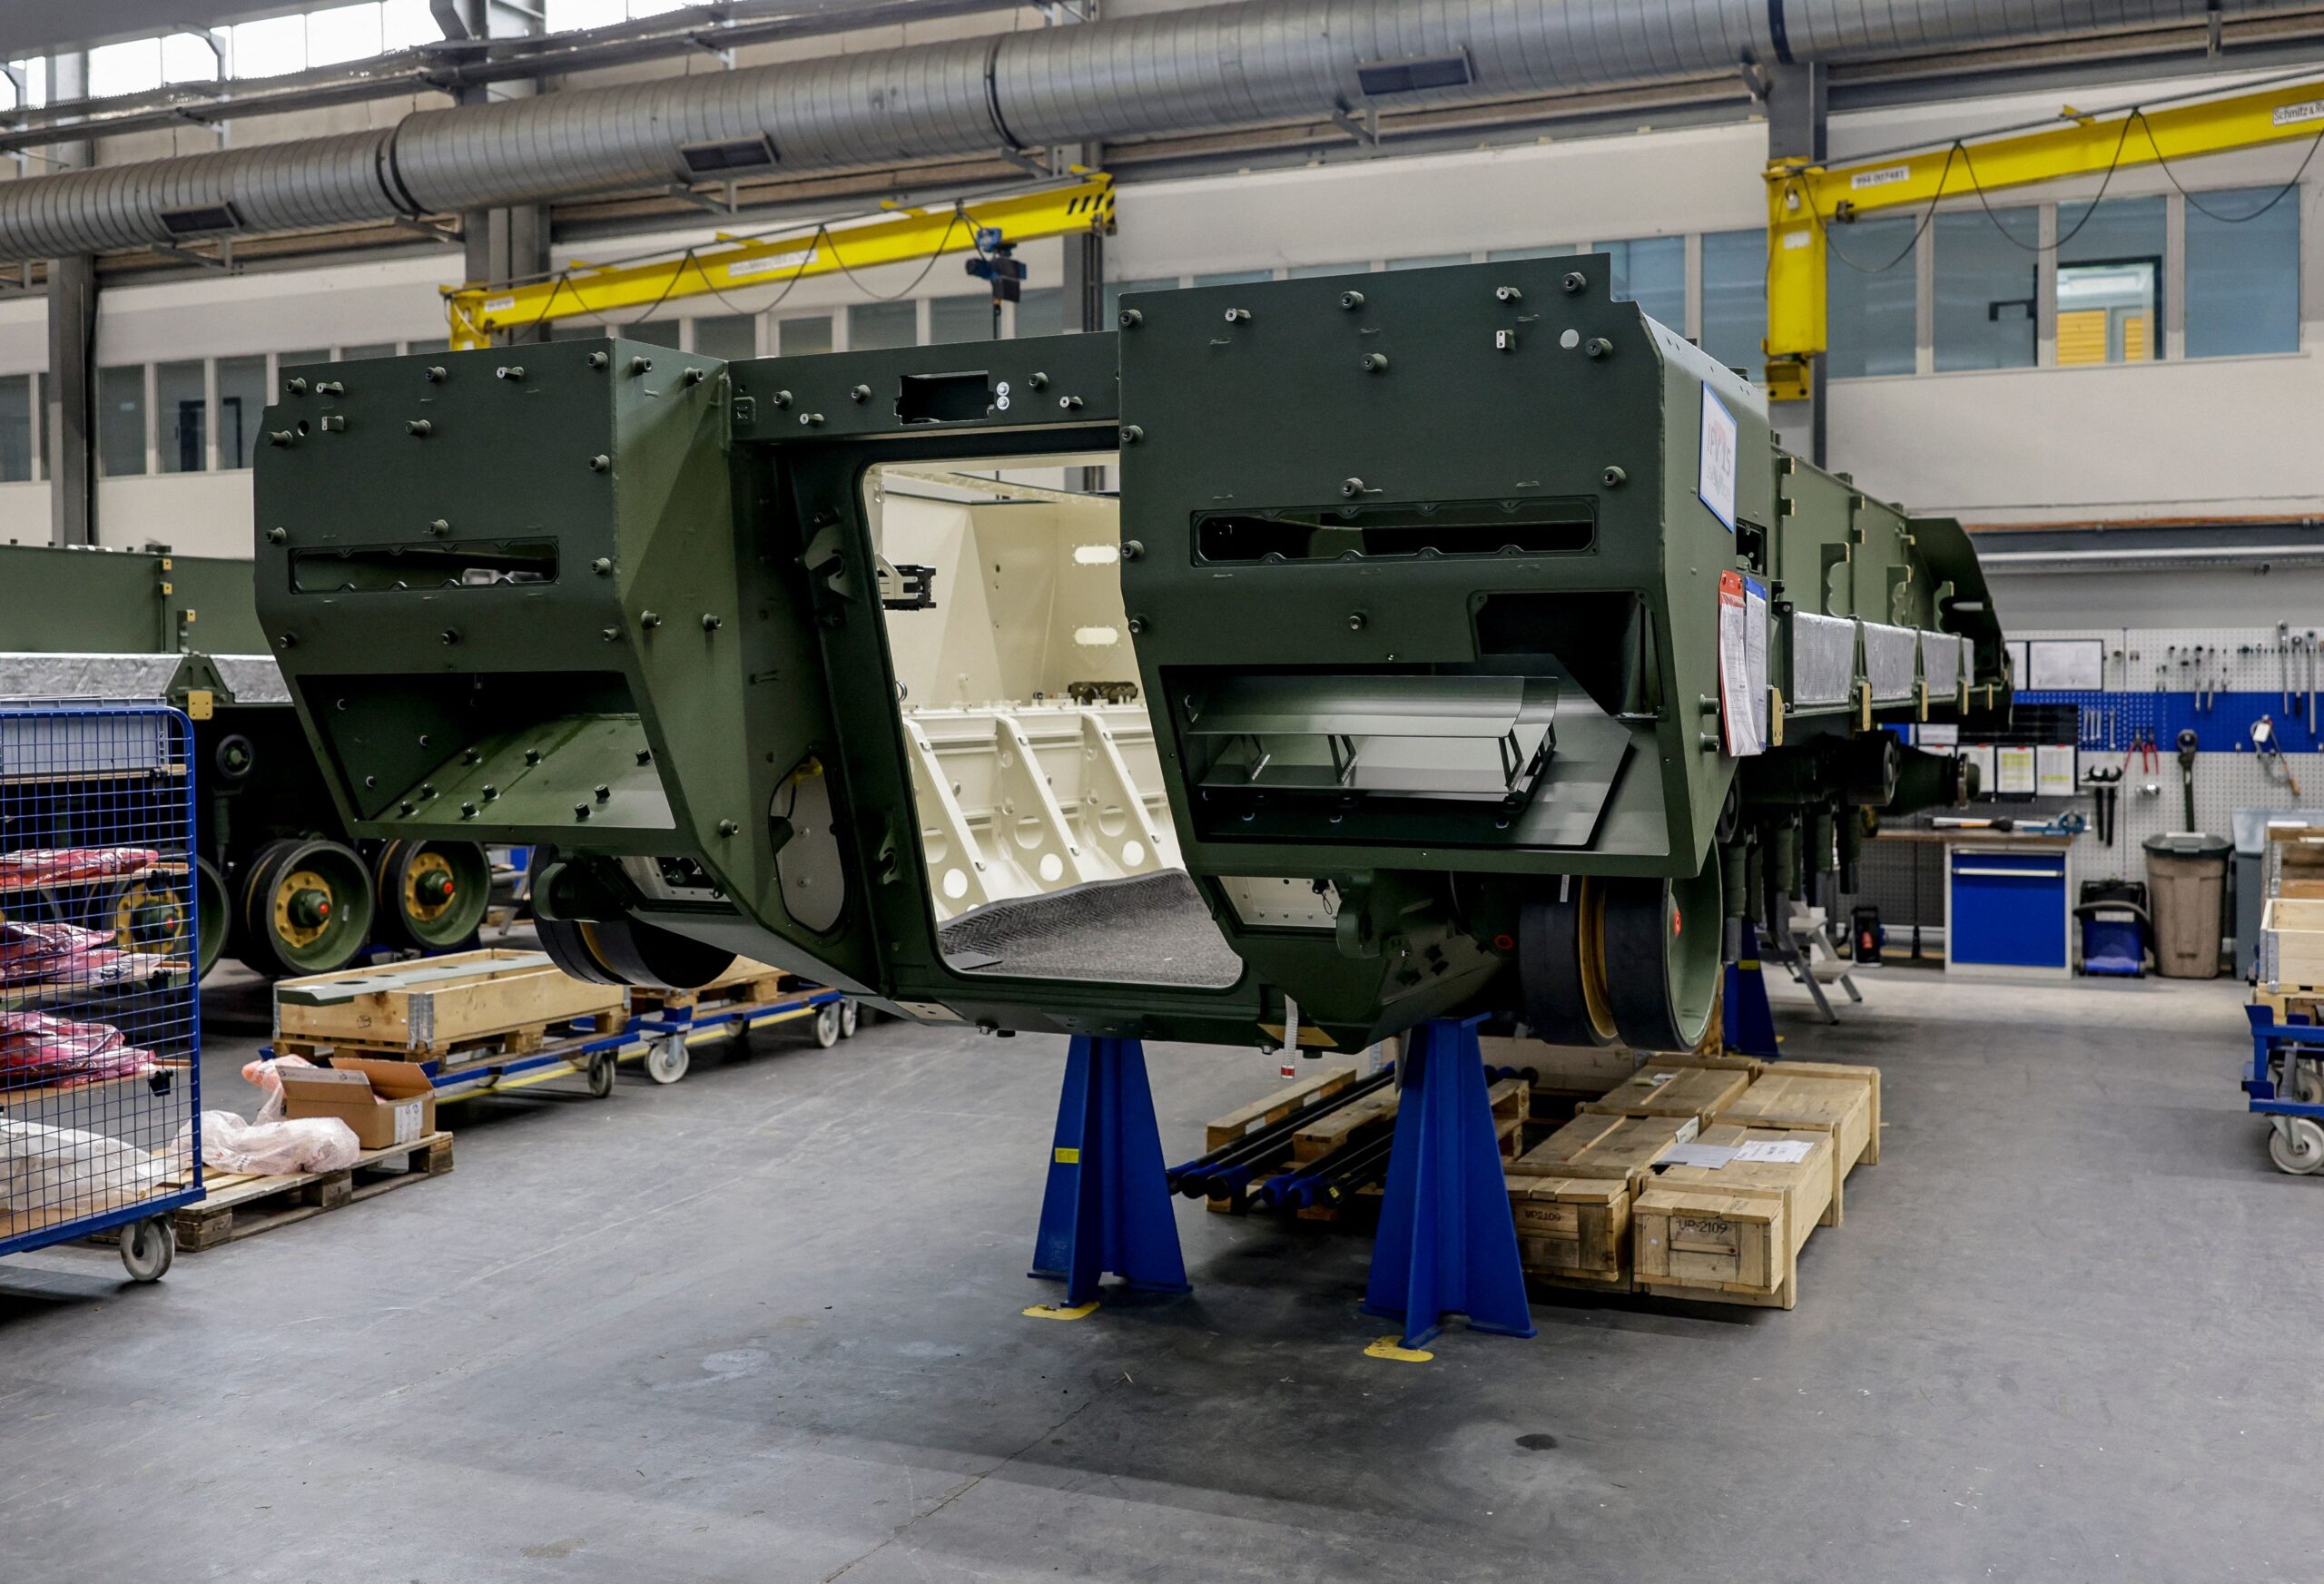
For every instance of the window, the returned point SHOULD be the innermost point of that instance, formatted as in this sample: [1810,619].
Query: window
[872,325]
[1310,271]
[659,332]
[1428,261]
[1872,298]
[182,405]
[433,344]
[1041,312]
[802,338]
[729,335]
[186,58]
[1548,251]
[1234,277]
[1987,288]
[1735,298]
[960,319]
[135,67]
[1117,290]
[34,91]
[16,428]
[406,23]
[565,15]
[343,33]
[242,402]
[1652,273]
[285,362]
[268,48]
[2242,273]
[120,420]
[370,349]
[2110,280]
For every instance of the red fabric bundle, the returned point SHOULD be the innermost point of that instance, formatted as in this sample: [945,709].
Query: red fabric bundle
[48,866]
[33,953]
[38,1050]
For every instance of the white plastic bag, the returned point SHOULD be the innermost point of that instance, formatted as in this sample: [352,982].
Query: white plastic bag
[304,1143]
[50,1169]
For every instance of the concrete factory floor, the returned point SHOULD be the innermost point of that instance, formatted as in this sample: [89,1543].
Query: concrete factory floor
[763,1326]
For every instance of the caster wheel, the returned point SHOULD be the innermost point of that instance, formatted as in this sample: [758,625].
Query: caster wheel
[827,1027]
[851,1016]
[147,1247]
[668,1059]
[2308,1084]
[2296,1145]
[601,1075]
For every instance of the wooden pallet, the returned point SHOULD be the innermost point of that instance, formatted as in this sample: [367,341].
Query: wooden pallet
[509,1001]
[743,983]
[235,1206]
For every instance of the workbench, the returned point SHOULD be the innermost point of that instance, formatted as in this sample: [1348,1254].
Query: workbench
[2008,901]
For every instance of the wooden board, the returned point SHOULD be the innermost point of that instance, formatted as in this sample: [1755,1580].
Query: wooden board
[1811,1198]
[1365,1116]
[1573,1069]
[1269,1110]
[1657,1090]
[743,983]
[1595,1145]
[236,1205]
[437,1005]
[1573,1230]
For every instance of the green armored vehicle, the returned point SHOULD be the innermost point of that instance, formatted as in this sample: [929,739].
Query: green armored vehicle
[1326,654]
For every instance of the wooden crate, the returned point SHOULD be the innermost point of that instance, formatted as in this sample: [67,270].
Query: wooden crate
[1573,1231]
[235,1206]
[1754,1258]
[1843,1101]
[2291,943]
[438,1005]
[1657,1090]
[1598,1145]
[1712,1242]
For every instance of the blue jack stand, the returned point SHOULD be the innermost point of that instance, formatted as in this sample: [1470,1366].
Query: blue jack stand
[1447,1243]
[1107,1206]
[1749,1022]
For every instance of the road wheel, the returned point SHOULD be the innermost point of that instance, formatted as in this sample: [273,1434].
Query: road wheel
[306,908]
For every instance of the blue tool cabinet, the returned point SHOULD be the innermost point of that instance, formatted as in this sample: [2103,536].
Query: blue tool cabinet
[2008,909]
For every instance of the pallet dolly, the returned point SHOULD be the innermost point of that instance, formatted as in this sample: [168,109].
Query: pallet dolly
[662,1041]
[2287,1057]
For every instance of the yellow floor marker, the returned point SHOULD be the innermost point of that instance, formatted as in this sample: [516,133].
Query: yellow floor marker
[1053,1312]
[1386,1348]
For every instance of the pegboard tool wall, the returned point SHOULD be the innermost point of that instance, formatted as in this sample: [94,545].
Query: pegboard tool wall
[2213,681]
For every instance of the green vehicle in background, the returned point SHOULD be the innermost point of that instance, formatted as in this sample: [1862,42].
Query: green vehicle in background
[283,885]
[1333,655]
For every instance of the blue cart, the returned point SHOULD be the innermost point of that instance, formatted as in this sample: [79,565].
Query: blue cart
[2285,1081]
[100,1020]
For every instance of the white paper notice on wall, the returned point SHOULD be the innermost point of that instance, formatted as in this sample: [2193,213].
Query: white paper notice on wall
[1743,663]
[2055,770]
[2064,664]
[2012,769]
[1716,485]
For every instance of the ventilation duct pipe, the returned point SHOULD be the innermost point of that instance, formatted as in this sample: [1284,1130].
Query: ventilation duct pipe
[1206,69]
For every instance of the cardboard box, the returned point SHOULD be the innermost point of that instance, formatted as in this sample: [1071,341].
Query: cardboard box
[387,1103]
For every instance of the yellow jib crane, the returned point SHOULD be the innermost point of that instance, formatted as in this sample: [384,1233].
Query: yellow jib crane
[732,263]
[1805,200]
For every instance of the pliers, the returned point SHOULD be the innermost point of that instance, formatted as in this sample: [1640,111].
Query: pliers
[2142,744]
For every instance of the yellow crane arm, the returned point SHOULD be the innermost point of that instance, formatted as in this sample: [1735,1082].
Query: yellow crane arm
[1804,200]
[732,264]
